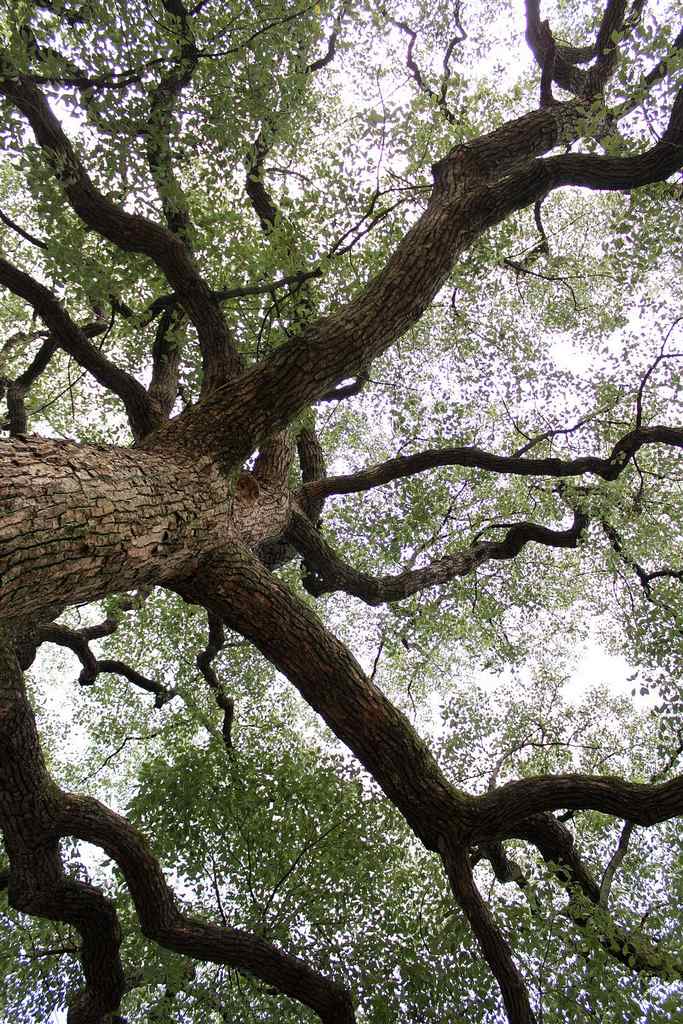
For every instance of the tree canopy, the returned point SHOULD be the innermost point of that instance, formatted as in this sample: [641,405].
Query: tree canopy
[340,345]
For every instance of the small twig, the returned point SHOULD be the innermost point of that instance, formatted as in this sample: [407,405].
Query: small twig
[115,753]
[375,663]
[21,231]
[648,373]
[615,860]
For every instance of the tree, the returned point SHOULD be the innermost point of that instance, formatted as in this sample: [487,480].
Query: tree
[275,237]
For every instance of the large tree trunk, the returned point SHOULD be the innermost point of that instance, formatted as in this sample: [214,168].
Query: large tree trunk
[78,522]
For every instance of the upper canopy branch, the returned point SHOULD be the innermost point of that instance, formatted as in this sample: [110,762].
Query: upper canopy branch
[414,69]
[608,468]
[561,61]
[129,232]
[476,186]
[157,133]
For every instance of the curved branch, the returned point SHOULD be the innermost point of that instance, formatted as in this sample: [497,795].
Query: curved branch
[37,883]
[440,97]
[328,573]
[73,340]
[556,845]
[129,232]
[34,814]
[622,173]
[162,922]
[331,49]
[18,388]
[559,62]
[541,41]
[500,811]
[204,659]
[606,49]
[92,666]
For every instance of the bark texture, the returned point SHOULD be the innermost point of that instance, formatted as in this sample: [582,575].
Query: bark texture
[81,522]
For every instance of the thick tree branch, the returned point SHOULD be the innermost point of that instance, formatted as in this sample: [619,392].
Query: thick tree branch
[494,947]
[259,607]
[276,553]
[500,811]
[606,49]
[274,461]
[37,883]
[541,43]
[313,468]
[471,194]
[162,922]
[558,63]
[237,587]
[623,173]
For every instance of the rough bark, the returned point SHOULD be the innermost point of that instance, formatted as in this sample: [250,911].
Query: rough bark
[81,522]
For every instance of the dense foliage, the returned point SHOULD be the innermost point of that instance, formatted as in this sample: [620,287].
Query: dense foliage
[396,288]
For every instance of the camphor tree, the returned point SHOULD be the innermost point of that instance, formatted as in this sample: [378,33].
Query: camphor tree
[339,327]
